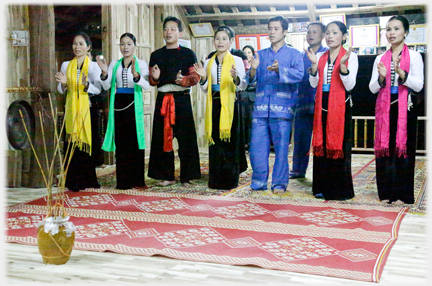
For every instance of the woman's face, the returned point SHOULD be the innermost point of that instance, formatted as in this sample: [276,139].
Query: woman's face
[334,36]
[222,41]
[395,32]
[248,53]
[80,47]
[127,46]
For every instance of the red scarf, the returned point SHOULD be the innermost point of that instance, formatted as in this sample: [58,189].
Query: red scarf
[335,115]
[382,110]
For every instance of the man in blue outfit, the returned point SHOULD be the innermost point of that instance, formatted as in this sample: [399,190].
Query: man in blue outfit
[303,120]
[277,71]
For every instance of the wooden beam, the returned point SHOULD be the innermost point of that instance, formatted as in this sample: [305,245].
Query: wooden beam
[254,10]
[182,12]
[311,9]
[198,9]
[301,13]
[218,12]
[235,10]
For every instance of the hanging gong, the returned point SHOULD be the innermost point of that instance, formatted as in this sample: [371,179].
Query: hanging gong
[16,132]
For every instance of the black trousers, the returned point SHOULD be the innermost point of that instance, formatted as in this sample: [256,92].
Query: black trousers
[161,164]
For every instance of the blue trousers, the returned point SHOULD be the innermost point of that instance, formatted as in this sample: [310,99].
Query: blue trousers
[303,125]
[264,131]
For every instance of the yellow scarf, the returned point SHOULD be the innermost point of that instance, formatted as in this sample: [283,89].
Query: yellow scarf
[77,110]
[227,96]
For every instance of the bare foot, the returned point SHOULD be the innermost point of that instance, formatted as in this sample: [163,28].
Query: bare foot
[166,183]
[141,188]
[278,191]
[187,184]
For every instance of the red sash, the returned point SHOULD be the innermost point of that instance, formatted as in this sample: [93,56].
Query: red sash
[168,112]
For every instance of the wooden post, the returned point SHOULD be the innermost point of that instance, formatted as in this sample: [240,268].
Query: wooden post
[42,74]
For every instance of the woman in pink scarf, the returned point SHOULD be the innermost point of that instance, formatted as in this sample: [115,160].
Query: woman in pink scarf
[395,75]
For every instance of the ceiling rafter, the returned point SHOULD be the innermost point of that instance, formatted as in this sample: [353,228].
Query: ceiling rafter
[260,14]
[311,9]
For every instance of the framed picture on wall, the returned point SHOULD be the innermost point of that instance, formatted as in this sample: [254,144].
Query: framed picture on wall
[381,50]
[421,48]
[248,41]
[325,19]
[264,42]
[255,40]
[202,30]
[367,50]
[364,36]
[356,50]
[417,35]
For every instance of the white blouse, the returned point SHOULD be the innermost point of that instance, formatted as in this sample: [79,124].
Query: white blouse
[348,80]
[415,79]
[241,72]
[94,72]
[143,81]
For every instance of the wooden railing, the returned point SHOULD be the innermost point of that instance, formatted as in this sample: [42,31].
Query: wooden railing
[368,130]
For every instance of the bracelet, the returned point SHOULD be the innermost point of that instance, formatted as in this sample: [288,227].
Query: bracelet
[347,73]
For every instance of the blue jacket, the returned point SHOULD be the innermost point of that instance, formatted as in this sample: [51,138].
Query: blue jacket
[276,93]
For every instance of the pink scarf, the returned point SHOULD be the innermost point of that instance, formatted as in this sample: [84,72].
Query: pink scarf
[382,110]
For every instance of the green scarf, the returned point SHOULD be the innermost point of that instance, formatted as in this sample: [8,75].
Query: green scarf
[109,143]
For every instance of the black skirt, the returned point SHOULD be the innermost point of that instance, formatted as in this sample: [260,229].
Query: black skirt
[226,159]
[394,175]
[81,173]
[130,160]
[332,177]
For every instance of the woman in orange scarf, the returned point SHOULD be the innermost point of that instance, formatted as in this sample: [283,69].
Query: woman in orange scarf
[334,74]
[223,74]
[395,74]
[79,78]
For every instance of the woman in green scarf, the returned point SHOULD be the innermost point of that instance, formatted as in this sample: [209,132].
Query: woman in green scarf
[125,131]
[222,76]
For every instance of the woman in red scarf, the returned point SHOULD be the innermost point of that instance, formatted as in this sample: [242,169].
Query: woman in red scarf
[395,74]
[334,74]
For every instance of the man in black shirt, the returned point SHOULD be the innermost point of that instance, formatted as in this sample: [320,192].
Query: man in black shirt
[172,71]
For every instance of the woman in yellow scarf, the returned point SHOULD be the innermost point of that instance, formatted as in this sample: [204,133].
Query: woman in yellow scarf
[80,79]
[223,74]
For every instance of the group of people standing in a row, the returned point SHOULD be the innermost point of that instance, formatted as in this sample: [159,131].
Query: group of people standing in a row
[307,91]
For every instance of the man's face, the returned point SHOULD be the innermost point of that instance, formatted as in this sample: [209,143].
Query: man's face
[171,32]
[276,32]
[314,35]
